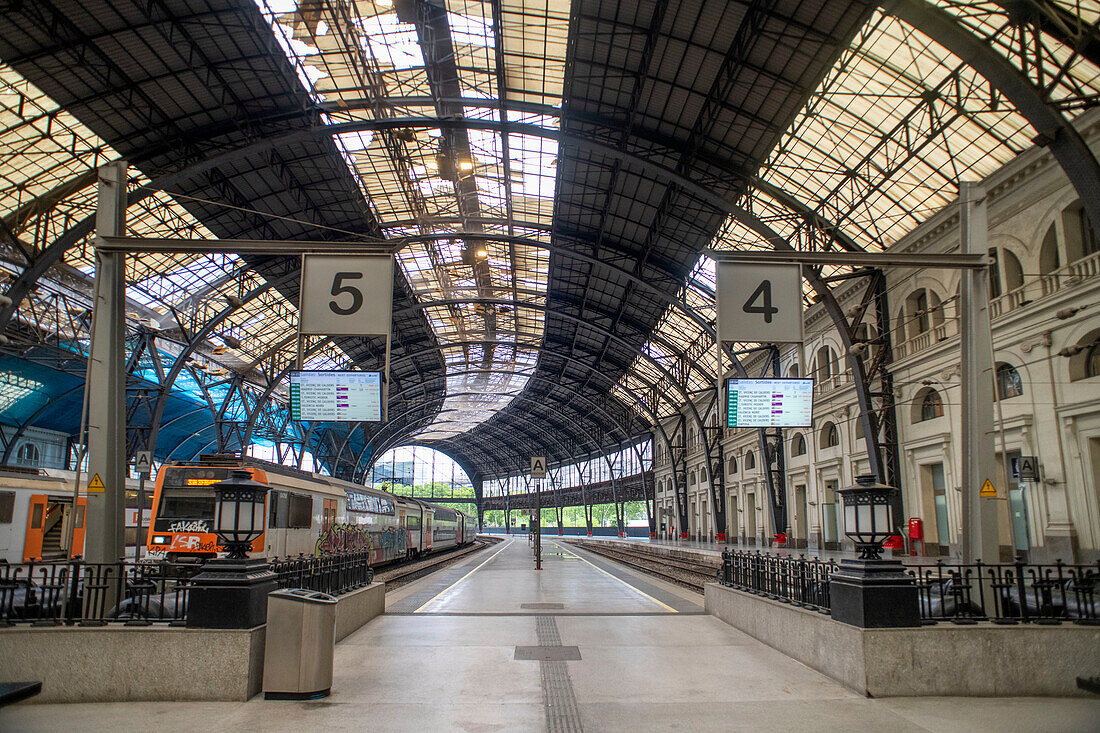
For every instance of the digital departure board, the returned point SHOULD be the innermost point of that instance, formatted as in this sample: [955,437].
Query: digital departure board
[336,396]
[769,403]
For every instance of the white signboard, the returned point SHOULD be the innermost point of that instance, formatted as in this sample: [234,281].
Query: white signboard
[143,462]
[538,467]
[769,403]
[346,295]
[759,303]
[336,396]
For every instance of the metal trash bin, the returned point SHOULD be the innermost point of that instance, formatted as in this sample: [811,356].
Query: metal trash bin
[301,640]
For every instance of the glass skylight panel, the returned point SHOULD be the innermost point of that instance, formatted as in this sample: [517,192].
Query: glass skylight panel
[883,141]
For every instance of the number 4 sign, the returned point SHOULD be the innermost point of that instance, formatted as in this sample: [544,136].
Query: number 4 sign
[759,302]
[346,295]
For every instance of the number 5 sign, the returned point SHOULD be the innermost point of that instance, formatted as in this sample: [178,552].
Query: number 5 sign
[346,295]
[759,302]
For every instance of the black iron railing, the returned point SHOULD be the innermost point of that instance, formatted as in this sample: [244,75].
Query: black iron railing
[800,581]
[333,574]
[1008,593]
[139,594]
[93,594]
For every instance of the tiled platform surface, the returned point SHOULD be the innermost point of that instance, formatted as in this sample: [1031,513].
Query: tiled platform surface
[444,658]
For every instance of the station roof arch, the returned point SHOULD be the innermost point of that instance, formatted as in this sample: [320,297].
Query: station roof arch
[546,160]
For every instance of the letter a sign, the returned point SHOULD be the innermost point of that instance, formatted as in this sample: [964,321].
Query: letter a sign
[538,466]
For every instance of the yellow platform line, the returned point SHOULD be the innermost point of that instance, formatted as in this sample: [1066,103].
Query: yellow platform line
[467,575]
[642,593]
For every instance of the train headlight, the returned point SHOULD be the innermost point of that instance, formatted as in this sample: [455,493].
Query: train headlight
[161,540]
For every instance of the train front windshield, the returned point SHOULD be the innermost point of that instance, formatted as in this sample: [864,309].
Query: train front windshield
[183,519]
[185,505]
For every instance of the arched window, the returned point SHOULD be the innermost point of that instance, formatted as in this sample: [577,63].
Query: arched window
[918,312]
[1080,236]
[1013,271]
[830,436]
[1049,261]
[928,405]
[792,371]
[750,461]
[1092,361]
[923,311]
[1009,383]
[826,364]
[732,465]
[798,445]
[28,454]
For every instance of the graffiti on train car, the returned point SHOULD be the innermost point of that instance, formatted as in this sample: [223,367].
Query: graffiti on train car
[194,525]
[343,538]
[395,539]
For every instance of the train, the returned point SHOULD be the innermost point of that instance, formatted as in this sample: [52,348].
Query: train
[305,513]
[37,509]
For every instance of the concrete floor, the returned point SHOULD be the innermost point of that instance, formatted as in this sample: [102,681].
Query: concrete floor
[444,659]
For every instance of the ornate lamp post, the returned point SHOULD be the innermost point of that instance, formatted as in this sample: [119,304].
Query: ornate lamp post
[239,513]
[869,591]
[868,515]
[231,592]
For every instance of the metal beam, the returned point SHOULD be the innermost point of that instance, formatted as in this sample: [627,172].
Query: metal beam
[854,259]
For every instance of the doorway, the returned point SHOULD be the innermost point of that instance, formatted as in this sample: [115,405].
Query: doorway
[750,518]
[830,517]
[801,512]
[732,519]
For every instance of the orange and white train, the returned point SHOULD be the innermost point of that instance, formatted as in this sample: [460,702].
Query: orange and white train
[305,513]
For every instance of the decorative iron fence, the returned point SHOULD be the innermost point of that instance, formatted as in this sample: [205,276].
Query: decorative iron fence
[333,574]
[1008,593]
[800,581]
[139,594]
[93,594]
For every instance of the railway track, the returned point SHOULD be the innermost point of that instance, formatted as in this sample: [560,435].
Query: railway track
[688,573]
[405,573]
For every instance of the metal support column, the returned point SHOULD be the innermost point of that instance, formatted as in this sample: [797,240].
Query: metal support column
[979,528]
[106,378]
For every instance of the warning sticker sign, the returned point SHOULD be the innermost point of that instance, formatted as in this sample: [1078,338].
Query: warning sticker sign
[95,486]
[988,491]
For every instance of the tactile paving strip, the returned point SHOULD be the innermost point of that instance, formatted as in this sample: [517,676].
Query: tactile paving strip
[562,715]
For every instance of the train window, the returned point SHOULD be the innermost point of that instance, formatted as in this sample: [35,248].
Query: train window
[36,516]
[412,521]
[276,502]
[7,506]
[301,511]
[79,521]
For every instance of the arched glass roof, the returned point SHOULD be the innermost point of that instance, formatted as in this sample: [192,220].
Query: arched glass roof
[537,153]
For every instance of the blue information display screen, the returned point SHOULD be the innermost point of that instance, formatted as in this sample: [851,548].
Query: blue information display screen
[769,403]
[336,396]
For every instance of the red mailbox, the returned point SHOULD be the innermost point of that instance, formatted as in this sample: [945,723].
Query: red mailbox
[916,534]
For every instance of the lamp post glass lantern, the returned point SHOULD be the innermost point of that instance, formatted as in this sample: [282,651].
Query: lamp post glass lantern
[868,515]
[239,512]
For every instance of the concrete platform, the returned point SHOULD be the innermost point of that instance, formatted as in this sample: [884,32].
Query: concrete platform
[447,657]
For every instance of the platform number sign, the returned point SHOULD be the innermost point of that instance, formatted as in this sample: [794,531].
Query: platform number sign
[759,303]
[538,466]
[346,295]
